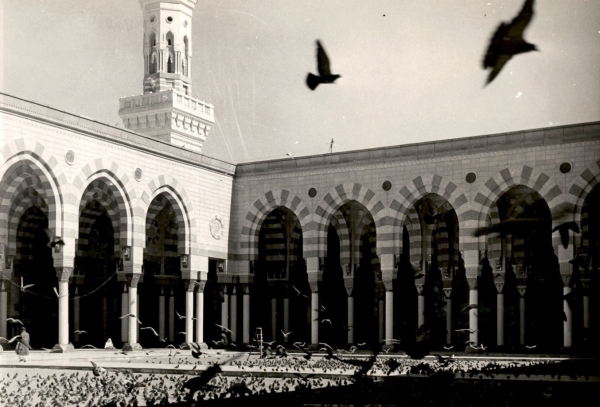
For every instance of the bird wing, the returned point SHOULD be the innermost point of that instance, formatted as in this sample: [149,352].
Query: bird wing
[521,21]
[322,61]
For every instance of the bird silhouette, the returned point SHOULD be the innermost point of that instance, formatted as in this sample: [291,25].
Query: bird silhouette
[563,229]
[469,307]
[508,41]
[323,67]
[25,287]
[14,321]
[53,239]
[57,295]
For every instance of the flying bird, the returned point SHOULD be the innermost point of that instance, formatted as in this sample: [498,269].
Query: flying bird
[132,316]
[299,293]
[469,307]
[179,315]
[285,334]
[97,370]
[14,321]
[79,331]
[290,155]
[508,41]
[563,229]
[53,239]
[25,287]
[325,75]
[57,295]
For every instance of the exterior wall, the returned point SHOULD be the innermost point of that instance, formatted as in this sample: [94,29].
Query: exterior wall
[202,184]
[530,158]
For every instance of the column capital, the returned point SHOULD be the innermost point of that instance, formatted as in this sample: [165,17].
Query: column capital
[190,285]
[349,285]
[499,286]
[472,281]
[200,284]
[585,284]
[521,289]
[314,286]
[63,273]
[566,279]
[388,284]
[133,279]
[419,288]
[245,288]
[447,292]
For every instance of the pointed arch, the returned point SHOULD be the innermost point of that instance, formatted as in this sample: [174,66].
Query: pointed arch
[411,193]
[30,175]
[166,187]
[259,211]
[497,185]
[331,202]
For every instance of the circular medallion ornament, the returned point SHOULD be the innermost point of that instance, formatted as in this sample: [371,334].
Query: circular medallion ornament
[387,185]
[312,192]
[216,226]
[138,174]
[70,157]
[471,177]
[565,168]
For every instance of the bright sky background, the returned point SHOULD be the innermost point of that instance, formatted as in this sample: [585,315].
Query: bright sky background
[411,70]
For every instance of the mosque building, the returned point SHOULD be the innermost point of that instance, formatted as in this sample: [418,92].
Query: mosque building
[119,230]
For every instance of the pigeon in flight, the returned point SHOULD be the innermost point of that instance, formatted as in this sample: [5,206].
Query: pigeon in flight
[508,41]
[563,229]
[53,239]
[325,76]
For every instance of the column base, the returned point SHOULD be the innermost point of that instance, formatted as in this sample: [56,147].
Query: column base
[63,348]
[130,347]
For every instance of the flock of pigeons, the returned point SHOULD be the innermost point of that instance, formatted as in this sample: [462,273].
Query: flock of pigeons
[506,42]
[110,386]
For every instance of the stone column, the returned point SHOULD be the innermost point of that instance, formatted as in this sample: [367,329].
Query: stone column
[521,290]
[172,315]
[420,305]
[190,285]
[473,299]
[389,272]
[447,293]
[381,313]
[3,309]
[274,318]
[124,311]
[314,305]
[349,290]
[76,315]
[233,313]
[200,311]
[225,306]
[568,324]
[286,316]
[132,337]
[63,274]
[314,269]
[499,314]
[585,284]
[161,314]
[246,313]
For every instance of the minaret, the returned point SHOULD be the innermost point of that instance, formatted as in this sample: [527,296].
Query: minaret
[166,110]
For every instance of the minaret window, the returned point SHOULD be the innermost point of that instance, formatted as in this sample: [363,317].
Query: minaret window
[153,63]
[169,65]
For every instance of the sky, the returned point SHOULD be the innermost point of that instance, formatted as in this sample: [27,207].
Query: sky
[411,71]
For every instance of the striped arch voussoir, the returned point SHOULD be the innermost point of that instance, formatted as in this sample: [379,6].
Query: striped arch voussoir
[259,211]
[21,157]
[338,196]
[580,188]
[158,198]
[418,188]
[496,186]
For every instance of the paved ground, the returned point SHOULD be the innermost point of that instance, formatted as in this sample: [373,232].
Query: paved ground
[161,373]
